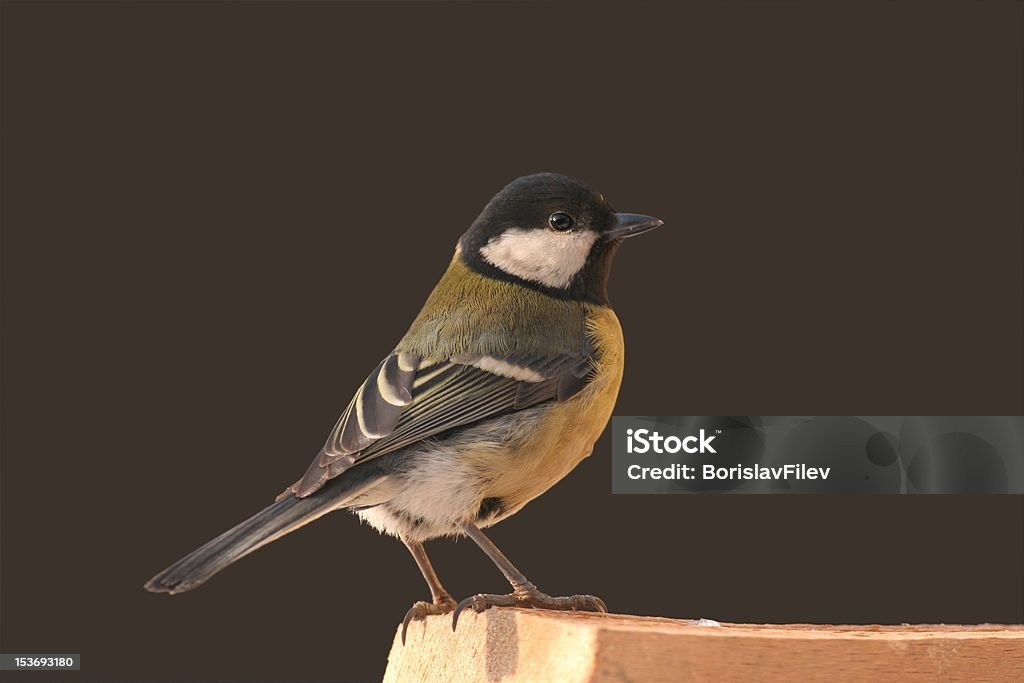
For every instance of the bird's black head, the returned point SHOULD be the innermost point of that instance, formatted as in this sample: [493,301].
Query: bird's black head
[551,233]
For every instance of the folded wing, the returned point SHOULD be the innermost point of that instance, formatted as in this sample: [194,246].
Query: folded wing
[407,399]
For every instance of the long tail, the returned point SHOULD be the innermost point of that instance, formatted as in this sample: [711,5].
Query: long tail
[276,520]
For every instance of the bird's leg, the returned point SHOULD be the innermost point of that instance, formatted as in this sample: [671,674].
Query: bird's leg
[441,600]
[524,593]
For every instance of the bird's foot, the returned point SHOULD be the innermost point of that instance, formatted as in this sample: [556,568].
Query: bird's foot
[421,610]
[532,599]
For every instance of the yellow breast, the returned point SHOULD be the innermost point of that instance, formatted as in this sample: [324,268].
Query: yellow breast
[567,431]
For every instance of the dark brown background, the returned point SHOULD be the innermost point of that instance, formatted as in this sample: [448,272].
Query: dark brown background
[217,218]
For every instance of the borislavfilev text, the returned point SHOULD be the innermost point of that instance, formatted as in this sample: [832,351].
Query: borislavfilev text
[679,454]
[641,441]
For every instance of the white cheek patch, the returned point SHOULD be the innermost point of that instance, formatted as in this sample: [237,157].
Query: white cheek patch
[549,258]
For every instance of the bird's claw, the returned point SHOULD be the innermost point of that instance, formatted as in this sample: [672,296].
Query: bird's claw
[422,610]
[534,600]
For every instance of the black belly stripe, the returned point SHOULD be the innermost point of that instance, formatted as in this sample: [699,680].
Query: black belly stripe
[490,507]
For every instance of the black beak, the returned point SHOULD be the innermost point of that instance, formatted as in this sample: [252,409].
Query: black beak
[630,224]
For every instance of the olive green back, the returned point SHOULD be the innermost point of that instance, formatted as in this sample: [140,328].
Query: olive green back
[470,313]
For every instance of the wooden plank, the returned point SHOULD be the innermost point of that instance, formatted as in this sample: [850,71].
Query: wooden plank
[527,645]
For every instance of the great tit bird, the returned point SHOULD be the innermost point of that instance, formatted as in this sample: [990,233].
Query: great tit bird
[501,386]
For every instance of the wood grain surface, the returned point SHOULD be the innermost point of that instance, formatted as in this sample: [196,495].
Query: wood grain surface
[526,645]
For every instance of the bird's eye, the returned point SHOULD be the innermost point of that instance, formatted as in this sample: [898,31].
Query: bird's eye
[560,221]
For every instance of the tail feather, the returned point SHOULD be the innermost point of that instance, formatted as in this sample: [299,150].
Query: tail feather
[283,516]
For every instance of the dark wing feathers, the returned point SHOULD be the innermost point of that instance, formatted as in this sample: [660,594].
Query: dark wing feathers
[406,400]
[376,407]
[572,382]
